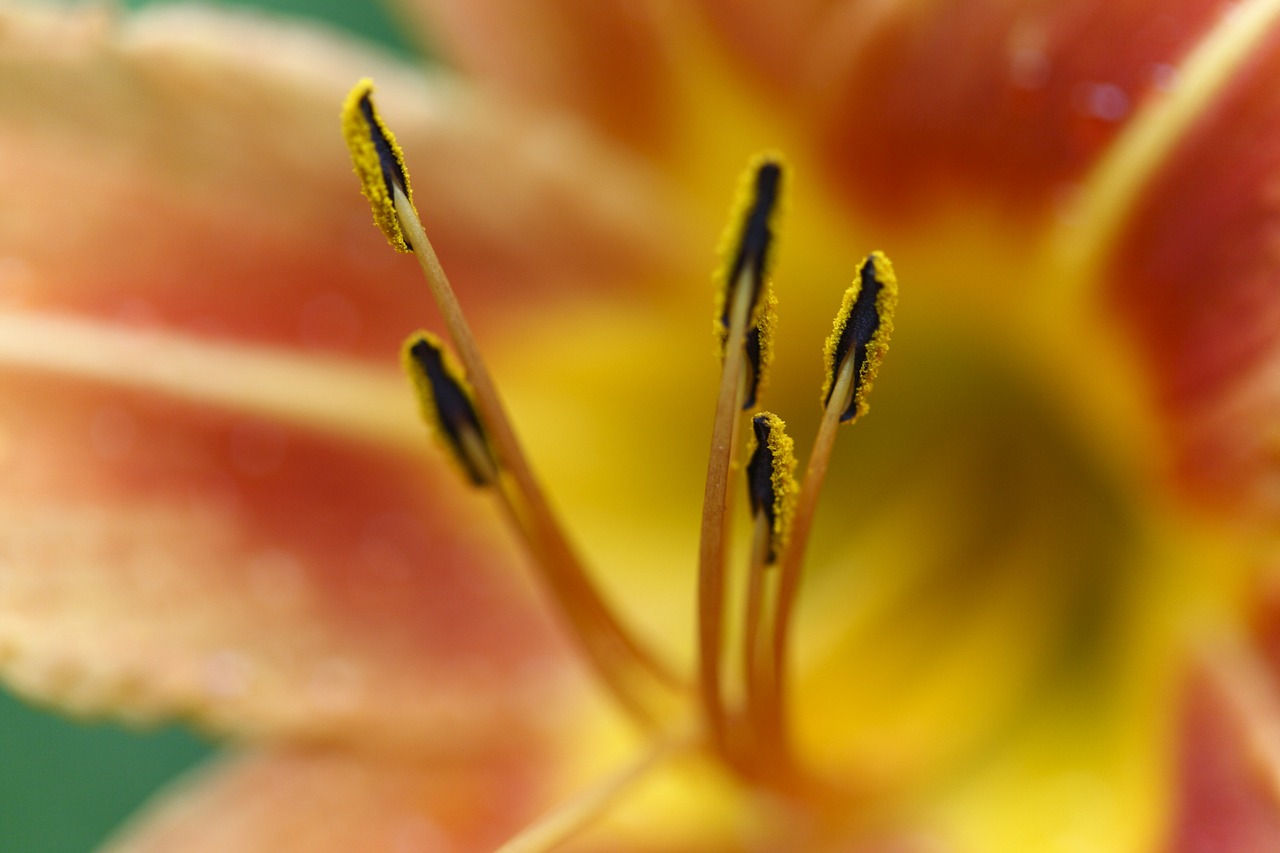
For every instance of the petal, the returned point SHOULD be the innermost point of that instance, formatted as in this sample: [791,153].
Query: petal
[1230,765]
[154,163]
[772,41]
[995,100]
[326,802]
[1195,275]
[313,801]
[605,61]
[162,557]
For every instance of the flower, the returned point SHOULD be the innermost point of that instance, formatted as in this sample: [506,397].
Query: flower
[1037,613]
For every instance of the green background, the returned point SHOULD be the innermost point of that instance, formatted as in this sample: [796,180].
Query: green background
[65,785]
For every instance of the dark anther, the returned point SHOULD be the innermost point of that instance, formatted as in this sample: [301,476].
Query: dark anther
[753,353]
[455,414]
[760,490]
[859,328]
[756,239]
[392,171]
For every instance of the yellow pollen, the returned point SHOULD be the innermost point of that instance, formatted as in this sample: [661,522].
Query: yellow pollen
[861,331]
[378,161]
[760,360]
[782,475]
[745,249]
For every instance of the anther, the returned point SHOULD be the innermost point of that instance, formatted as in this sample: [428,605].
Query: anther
[771,483]
[861,332]
[378,161]
[747,246]
[446,401]
[758,351]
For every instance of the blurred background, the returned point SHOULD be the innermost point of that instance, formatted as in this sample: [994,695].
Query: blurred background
[64,785]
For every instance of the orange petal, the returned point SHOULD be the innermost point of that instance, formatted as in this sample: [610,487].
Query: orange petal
[605,61]
[772,41]
[159,557]
[1011,101]
[326,802]
[1195,274]
[1230,766]
[333,802]
[185,168]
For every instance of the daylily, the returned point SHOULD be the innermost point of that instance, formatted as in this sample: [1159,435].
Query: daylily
[1038,612]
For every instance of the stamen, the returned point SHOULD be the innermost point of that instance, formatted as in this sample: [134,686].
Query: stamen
[759,349]
[747,244]
[771,489]
[445,400]
[569,819]
[378,161]
[645,686]
[857,345]
[757,658]
[742,283]
[771,483]
[862,329]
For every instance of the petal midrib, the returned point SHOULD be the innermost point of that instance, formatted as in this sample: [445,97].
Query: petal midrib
[334,395]
[1113,189]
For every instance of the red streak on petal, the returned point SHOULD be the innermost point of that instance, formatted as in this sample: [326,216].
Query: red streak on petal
[313,564]
[1197,273]
[1224,806]
[1003,100]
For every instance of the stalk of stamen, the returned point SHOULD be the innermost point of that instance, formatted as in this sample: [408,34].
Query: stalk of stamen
[770,711]
[606,635]
[715,511]
[853,354]
[447,403]
[609,645]
[743,283]
[573,817]
[756,657]
[771,488]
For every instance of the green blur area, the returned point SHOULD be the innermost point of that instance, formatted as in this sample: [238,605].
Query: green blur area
[368,20]
[65,785]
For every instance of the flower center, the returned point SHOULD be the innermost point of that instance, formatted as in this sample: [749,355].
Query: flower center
[738,714]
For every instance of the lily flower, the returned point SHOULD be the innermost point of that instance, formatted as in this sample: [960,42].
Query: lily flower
[1038,608]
